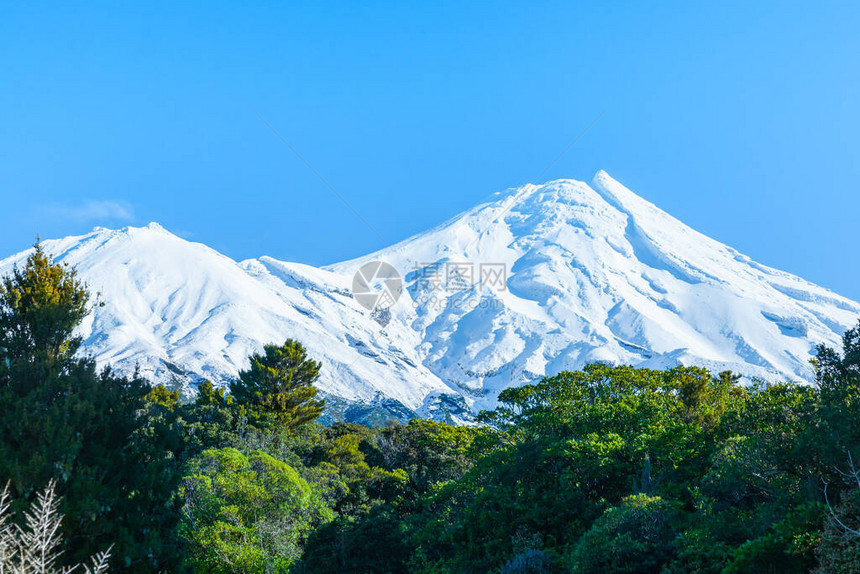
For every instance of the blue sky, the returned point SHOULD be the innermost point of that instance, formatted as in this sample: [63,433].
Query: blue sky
[741,119]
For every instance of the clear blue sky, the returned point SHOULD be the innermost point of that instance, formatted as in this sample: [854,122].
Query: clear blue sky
[741,119]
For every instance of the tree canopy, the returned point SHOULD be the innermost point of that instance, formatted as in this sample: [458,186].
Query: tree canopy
[280,381]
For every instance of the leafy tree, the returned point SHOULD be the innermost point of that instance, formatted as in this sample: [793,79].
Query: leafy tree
[378,481]
[431,453]
[635,537]
[280,381]
[838,378]
[573,445]
[207,394]
[338,464]
[835,439]
[161,395]
[210,421]
[247,514]
[376,543]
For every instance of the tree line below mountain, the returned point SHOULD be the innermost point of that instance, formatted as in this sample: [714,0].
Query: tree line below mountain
[607,469]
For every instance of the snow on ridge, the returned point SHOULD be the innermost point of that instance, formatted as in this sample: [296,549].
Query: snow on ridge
[592,273]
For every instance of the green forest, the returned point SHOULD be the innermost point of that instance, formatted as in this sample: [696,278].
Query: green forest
[605,470]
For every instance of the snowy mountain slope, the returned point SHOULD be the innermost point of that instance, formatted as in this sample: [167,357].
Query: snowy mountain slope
[596,273]
[183,312]
[535,281]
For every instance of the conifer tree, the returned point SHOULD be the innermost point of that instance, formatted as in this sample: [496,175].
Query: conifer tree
[62,420]
[40,306]
[280,382]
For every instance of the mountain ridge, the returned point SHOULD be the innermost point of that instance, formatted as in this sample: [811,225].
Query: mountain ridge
[591,273]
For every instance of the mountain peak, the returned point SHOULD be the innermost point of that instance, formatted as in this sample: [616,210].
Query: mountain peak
[130,230]
[539,199]
[620,197]
[603,190]
[602,175]
[151,227]
[582,272]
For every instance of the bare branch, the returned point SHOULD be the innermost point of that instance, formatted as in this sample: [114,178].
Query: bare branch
[35,549]
[8,544]
[841,524]
[100,562]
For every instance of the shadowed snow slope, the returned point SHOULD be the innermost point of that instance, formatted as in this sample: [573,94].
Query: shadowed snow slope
[538,280]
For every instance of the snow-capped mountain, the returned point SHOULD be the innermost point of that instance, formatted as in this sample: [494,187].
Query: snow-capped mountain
[182,312]
[535,281]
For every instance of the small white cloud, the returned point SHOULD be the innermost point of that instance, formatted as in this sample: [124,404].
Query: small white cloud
[95,211]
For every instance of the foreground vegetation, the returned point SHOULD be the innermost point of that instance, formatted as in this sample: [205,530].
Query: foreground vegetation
[609,469]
